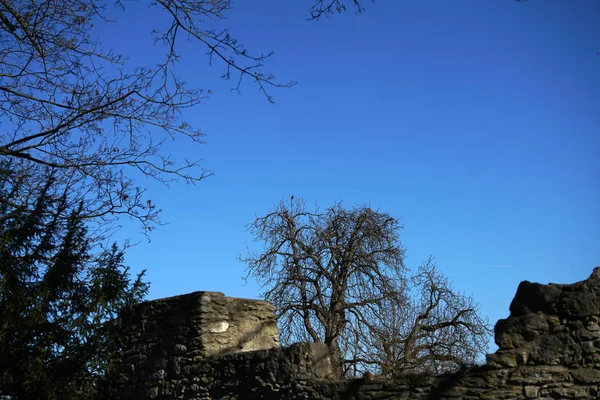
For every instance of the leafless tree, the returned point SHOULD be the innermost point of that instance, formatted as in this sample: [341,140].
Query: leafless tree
[437,330]
[324,269]
[71,105]
[338,277]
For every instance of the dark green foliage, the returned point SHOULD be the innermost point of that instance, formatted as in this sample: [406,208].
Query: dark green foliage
[59,297]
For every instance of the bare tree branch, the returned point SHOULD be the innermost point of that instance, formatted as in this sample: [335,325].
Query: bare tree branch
[438,331]
[324,8]
[68,104]
[324,269]
[338,277]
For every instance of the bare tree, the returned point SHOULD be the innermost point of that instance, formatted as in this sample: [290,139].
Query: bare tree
[325,269]
[437,330]
[338,277]
[69,104]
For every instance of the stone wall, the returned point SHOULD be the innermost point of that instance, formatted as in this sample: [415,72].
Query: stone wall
[167,339]
[181,348]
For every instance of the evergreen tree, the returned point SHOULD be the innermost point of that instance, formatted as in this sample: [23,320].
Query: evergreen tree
[59,297]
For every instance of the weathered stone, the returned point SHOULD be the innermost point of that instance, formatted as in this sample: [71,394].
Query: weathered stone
[152,392]
[514,392]
[515,331]
[502,359]
[159,363]
[158,375]
[208,346]
[180,349]
[531,392]
[539,375]
[174,367]
[218,327]
[586,376]
[574,301]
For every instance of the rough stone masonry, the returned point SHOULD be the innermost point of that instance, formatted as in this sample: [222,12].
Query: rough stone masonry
[204,345]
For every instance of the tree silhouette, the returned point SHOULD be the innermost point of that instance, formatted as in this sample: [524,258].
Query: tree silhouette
[338,277]
[59,300]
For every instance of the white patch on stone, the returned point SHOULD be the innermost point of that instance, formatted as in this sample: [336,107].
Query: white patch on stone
[219,327]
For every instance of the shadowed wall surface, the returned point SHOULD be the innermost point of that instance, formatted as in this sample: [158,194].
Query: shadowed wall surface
[204,345]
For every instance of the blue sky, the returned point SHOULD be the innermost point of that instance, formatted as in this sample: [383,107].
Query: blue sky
[477,122]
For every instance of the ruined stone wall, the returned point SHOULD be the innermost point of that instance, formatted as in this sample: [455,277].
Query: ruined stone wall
[168,339]
[549,348]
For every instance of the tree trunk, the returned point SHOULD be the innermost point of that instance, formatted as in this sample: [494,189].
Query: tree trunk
[335,355]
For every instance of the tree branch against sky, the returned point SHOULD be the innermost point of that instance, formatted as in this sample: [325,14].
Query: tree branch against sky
[324,8]
[70,104]
[437,330]
[321,269]
[338,277]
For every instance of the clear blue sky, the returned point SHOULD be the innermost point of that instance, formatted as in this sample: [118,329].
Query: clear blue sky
[477,122]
